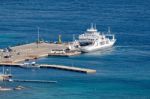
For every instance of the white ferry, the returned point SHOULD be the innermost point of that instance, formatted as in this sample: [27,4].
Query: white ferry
[92,40]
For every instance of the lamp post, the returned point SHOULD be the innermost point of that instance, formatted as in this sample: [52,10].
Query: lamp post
[38,37]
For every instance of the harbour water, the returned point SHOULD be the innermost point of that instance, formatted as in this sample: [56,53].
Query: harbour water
[123,72]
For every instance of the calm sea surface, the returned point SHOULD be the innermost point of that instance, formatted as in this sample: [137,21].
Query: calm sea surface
[123,72]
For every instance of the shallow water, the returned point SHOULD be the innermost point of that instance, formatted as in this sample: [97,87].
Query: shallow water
[123,71]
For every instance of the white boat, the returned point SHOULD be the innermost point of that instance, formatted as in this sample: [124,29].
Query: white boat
[5,89]
[30,65]
[9,88]
[92,40]
[5,75]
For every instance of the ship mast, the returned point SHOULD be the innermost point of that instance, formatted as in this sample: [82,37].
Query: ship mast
[109,30]
[94,26]
[73,37]
[91,25]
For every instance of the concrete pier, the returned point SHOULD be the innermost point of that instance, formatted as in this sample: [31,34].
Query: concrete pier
[60,67]
[34,81]
[34,51]
[68,68]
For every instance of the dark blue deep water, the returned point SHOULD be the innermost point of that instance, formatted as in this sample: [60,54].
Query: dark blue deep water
[123,72]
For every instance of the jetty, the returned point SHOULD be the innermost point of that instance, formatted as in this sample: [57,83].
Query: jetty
[33,81]
[60,67]
[68,68]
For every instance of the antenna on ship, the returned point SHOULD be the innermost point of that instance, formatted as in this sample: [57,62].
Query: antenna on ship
[94,26]
[109,30]
[73,37]
[91,25]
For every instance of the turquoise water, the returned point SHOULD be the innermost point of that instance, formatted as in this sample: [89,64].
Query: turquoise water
[123,72]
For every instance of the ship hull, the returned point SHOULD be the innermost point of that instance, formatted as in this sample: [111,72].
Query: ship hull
[91,48]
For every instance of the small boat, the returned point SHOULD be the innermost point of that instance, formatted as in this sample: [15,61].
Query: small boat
[19,88]
[5,89]
[30,65]
[5,75]
[10,88]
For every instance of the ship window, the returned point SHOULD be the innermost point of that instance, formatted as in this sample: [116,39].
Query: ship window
[85,43]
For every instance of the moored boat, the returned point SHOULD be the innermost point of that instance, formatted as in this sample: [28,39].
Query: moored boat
[92,40]
[30,65]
